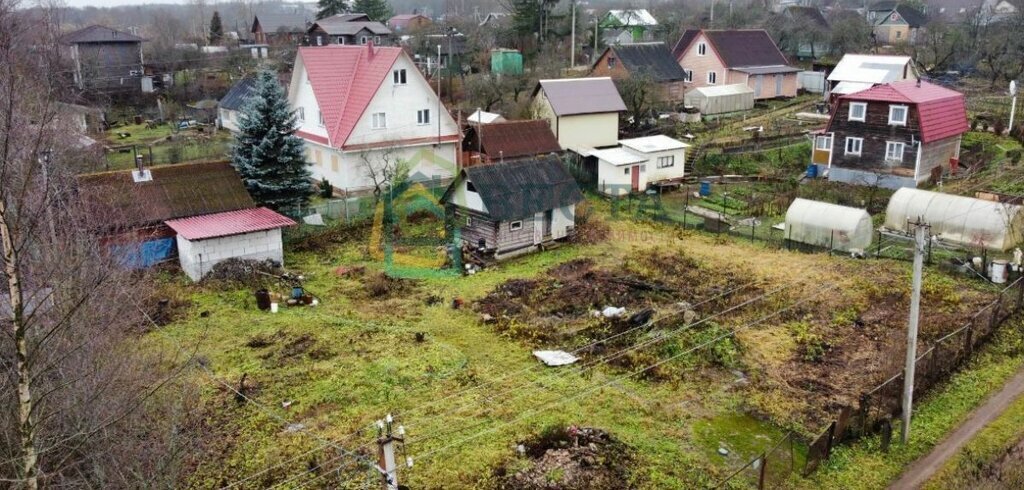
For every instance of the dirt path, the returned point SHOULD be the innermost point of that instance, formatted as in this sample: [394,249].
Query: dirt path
[921,470]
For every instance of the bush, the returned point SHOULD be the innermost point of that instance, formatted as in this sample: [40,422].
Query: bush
[999,126]
[975,123]
[326,189]
[174,153]
[1014,156]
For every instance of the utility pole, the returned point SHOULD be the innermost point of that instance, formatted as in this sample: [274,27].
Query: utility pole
[572,51]
[920,242]
[711,21]
[594,55]
[438,74]
[387,464]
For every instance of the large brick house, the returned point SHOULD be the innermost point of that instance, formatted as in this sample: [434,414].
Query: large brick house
[893,135]
[746,56]
[653,60]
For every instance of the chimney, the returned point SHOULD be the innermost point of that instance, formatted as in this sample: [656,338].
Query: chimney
[369,47]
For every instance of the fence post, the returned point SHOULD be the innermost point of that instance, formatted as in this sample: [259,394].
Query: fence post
[686,204]
[760,478]
[929,251]
[752,220]
[831,242]
[878,246]
[1020,294]
[968,339]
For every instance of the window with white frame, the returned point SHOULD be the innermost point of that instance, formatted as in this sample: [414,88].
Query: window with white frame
[894,151]
[898,115]
[824,143]
[702,49]
[666,162]
[399,76]
[376,39]
[320,117]
[687,75]
[423,116]
[363,40]
[515,226]
[380,120]
[300,113]
[712,78]
[858,111]
[854,146]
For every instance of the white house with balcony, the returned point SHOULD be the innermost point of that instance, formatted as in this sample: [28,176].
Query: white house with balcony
[362,109]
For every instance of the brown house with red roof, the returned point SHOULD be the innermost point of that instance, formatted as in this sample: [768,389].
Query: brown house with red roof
[408,22]
[509,140]
[893,135]
[737,56]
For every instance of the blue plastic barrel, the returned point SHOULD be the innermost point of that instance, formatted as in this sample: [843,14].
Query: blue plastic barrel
[812,171]
[705,188]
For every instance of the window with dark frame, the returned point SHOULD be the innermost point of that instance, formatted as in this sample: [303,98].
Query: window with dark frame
[515,225]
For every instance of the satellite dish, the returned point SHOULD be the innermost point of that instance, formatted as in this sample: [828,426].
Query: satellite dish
[1013,87]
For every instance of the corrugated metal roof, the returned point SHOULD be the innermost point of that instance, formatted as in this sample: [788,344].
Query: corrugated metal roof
[484,117]
[658,142]
[651,59]
[942,112]
[572,96]
[344,80]
[516,190]
[767,70]
[511,139]
[618,156]
[229,223]
[633,17]
[340,27]
[99,34]
[869,68]
[238,95]
[175,191]
[843,88]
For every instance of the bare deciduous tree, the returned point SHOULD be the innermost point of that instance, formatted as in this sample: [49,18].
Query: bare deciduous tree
[74,380]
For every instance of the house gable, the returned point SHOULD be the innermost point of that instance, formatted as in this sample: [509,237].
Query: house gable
[303,100]
[401,105]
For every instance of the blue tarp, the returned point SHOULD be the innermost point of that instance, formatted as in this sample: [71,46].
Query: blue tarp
[144,254]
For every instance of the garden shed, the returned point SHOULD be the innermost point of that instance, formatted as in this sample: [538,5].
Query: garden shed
[721,99]
[828,225]
[958,219]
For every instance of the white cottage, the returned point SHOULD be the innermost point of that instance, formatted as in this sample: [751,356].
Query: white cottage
[583,112]
[204,241]
[667,156]
[361,108]
[620,171]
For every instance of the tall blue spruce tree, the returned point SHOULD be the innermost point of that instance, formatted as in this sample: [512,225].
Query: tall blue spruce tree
[267,154]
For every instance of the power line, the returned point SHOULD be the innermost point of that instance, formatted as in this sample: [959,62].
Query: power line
[590,390]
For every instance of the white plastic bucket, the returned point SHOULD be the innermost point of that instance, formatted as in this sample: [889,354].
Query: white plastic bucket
[273,307]
[998,271]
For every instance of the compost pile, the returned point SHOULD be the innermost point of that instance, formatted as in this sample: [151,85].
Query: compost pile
[569,459]
[244,272]
[565,304]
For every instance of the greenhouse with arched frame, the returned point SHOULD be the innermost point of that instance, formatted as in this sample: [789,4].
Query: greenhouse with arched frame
[828,225]
[961,220]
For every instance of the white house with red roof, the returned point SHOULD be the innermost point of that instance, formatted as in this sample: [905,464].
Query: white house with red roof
[893,135]
[363,108]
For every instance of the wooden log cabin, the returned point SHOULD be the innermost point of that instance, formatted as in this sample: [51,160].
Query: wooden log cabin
[508,209]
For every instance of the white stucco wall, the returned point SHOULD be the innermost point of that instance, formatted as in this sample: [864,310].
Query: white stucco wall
[301,96]
[465,198]
[348,169]
[198,257]
[614,181]
[229,119]
[655,174]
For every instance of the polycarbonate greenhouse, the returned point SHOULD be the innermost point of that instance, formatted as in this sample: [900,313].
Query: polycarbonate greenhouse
[958,219]
[828,225]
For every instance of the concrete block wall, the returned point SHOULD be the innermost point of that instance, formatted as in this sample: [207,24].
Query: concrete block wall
[198,257]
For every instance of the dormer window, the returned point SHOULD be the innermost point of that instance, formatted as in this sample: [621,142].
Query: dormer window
[898,115]
[611,62]
[399,76]
[702,49]
[858,111]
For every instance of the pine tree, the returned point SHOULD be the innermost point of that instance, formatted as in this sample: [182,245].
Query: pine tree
[267,154]
[378,10]
[216,29]
[330,7]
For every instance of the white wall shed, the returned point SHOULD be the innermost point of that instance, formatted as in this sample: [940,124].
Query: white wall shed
[958,219]
[720,99]
[620,171]
[204,241]
[824,224]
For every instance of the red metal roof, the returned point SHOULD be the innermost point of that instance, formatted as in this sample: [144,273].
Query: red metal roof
[942,112]
[229,223]
[345,79]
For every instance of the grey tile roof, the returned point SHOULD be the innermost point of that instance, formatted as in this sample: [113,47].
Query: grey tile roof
[341,26]
[518,189]
[572,96]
